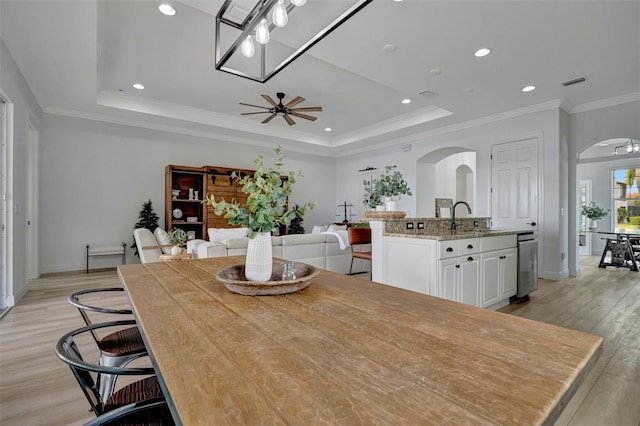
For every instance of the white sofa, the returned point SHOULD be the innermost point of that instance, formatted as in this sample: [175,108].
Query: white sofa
[320,250]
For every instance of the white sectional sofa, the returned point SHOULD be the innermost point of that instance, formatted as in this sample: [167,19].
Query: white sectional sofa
[321,250]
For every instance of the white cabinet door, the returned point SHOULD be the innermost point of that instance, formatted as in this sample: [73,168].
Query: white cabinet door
[490,280]
[406,263]
[459,279]
[447,279]
[509,266]
[469,280]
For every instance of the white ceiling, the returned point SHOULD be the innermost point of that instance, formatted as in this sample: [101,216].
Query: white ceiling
[82,57]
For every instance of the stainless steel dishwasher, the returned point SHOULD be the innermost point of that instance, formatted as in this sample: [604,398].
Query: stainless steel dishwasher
[527,266]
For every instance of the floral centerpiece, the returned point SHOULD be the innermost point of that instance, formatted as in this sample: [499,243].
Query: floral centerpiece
[266,209]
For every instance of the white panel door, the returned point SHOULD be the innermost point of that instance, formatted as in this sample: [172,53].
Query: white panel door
[3,228]
[514,184]
[584,237]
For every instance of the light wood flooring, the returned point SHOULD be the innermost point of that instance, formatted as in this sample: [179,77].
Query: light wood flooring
[38,389]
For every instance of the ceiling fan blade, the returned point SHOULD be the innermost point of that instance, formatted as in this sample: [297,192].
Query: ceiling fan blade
[288,119]
[255,106]
[305,116]
[259,112]
[268,119]
[294,101]
[268,99]
[307,109]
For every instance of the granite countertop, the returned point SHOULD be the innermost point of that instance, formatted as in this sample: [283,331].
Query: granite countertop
[458,235]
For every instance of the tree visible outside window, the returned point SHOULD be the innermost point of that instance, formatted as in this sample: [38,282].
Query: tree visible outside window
[626,200]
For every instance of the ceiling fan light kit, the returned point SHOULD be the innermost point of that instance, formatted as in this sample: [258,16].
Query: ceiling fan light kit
[285,110]
[236,29]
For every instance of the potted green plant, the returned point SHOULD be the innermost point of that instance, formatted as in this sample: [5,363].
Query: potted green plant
[391,184]
[177,237]
[594,213]
[266,208]
[372,198]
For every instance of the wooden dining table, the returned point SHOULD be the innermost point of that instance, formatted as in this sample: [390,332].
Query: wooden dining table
[346,351]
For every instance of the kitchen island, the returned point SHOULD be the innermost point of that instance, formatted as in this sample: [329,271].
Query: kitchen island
[473,265]
[346,351]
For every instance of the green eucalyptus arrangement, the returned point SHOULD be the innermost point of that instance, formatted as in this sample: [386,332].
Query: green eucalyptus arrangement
[177,236]
[267,198]
[593,212]
[391,183]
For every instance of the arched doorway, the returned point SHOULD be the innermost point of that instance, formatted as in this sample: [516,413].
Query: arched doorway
[445,173]
[610,167]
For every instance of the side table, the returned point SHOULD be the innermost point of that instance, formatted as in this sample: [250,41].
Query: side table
[172,257]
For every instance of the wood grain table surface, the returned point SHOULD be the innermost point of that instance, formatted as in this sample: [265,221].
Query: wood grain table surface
[346,351]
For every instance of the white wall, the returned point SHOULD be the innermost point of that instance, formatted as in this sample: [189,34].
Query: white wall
[24,108]
[95,177]
[543,125]
[587,128]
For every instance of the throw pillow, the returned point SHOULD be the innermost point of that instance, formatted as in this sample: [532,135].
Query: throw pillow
[337,228]
[163,239]
[221,235]
[319,229]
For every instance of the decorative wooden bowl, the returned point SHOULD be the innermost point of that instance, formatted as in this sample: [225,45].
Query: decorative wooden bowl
[372,214]
[234,279]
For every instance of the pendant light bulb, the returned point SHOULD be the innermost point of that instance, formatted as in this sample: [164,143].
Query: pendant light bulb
[298,3]
[246,48]
[262,32]
[279,16]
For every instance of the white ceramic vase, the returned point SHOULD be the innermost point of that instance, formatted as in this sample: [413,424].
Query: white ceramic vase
[593,224]
[176,250]
[380,208]
[391,205]
[259,262]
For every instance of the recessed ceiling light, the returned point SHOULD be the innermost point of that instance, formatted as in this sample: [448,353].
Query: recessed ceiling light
[482,52]
[327,129]
[167,9]
[528,88]
[468,89]
[397,1]
[389,48]
[406,101]
[138,86]
[435,71]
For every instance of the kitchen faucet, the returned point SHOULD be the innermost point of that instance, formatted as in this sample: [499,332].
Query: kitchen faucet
[454,225]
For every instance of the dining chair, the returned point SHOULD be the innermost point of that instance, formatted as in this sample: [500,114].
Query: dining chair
[359,236]
[148,412]
[90,375]
[118,348]
[148,248]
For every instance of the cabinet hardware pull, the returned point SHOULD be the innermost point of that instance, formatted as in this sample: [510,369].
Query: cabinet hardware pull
[470,259]
[531,223]
[449,249]
[469,246]
[503,257]
[457,266]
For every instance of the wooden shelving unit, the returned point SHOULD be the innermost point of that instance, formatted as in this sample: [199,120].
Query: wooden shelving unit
[178,209]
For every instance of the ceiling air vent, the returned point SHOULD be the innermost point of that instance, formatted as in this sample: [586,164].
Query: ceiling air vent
[428,93]
[574,81]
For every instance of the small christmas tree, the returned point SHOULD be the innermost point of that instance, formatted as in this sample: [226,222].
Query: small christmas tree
[296,223]
[148,219]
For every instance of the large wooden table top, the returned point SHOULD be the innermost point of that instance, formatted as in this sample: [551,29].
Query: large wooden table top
[346,351]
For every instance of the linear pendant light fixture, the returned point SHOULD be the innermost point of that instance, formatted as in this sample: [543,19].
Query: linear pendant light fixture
[258,44]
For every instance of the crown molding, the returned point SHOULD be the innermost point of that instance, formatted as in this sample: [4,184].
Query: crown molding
[201,116]
[604,103]
[294,147]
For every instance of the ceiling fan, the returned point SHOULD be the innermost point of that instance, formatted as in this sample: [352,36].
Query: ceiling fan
[285,110]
